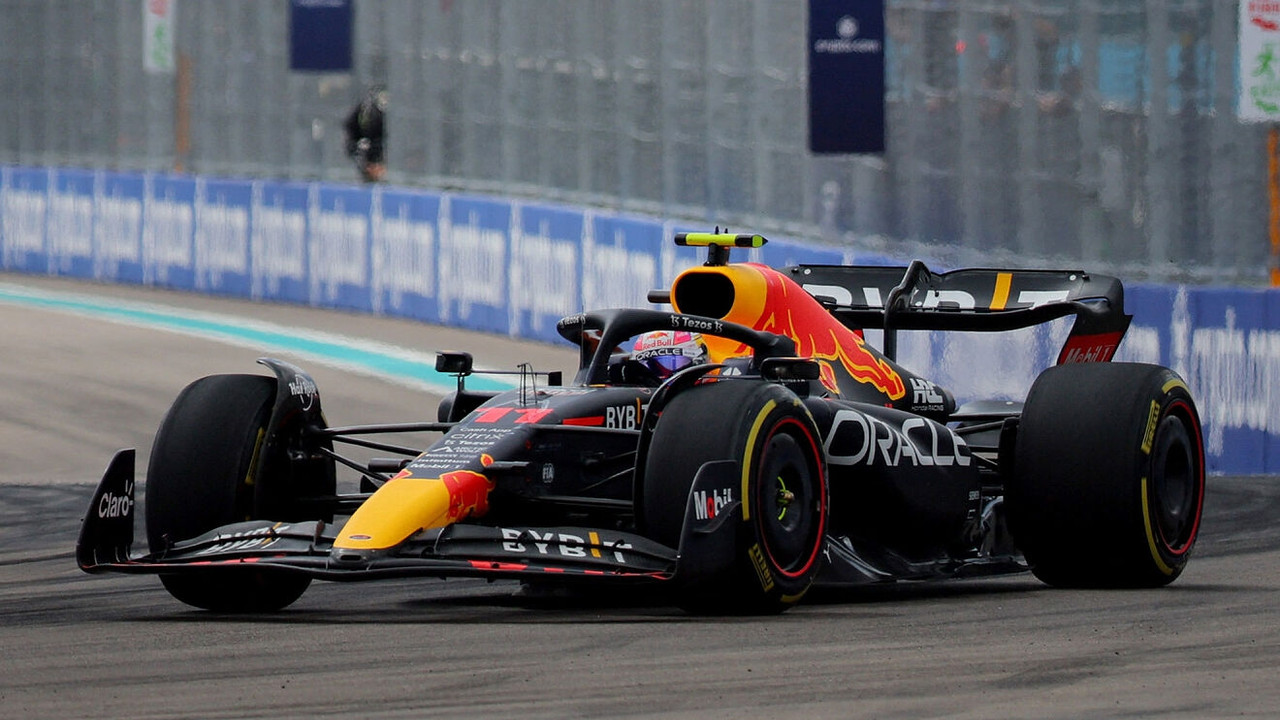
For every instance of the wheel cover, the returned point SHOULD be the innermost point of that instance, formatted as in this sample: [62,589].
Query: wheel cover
[1177,482]
[791,497]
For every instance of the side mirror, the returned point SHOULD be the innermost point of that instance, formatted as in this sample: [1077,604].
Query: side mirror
[453,363]
[788,369]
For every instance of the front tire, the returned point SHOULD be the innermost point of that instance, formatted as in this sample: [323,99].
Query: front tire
[201,476]
[771,436]
[1108,482]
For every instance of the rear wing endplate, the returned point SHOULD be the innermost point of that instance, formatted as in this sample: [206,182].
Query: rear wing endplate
[981,300]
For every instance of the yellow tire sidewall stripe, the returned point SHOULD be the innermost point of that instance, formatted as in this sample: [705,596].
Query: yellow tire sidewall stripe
[750,451]
[1152,542]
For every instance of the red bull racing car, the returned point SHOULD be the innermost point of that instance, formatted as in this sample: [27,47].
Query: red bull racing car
[736,450]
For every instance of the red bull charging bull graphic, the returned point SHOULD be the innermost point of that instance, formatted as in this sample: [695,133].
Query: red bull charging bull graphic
[765,299]
[468,493]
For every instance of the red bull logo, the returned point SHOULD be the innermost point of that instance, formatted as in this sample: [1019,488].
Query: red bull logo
[765,299]
[663,338]
[468,493]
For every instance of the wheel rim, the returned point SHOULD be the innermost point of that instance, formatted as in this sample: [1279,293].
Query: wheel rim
[1177,480]
[790,501]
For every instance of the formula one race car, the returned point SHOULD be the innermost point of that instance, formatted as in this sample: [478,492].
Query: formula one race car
[736,451]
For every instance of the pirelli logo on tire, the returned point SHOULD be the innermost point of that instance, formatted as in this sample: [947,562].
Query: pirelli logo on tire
[762,567]
[1148,437]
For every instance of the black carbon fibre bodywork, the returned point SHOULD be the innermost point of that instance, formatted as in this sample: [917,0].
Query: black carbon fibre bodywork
[549,482]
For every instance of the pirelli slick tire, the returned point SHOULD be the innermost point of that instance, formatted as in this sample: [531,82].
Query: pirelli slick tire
[1108,482]
[766,430]
[201,476]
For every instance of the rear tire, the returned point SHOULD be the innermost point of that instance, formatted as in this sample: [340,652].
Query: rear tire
[765,429]
[1108,482]
[201,476]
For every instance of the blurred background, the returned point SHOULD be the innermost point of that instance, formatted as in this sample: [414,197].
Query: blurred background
[1095,132]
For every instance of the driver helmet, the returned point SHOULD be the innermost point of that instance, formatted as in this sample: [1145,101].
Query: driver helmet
[664,352]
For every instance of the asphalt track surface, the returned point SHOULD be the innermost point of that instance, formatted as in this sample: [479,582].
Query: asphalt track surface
[72,645]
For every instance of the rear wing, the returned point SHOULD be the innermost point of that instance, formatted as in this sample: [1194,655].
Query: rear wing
[982,300]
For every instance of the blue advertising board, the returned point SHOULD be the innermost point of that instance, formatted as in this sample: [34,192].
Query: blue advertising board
[222,232]
[545,270]
[515,268]
[338,247]
[471,285]
[117,227]
[320,35]
[168,231]
[621,261]
[69,238]
[24,215]
[846,76]
[1226,343]
[278,244]
[405,244]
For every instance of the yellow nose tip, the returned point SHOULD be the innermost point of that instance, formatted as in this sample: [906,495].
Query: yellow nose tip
[406,506]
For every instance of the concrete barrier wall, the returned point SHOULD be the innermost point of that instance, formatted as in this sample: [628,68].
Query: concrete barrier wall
[516,267]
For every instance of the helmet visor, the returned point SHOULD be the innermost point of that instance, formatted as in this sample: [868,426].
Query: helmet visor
[664,365]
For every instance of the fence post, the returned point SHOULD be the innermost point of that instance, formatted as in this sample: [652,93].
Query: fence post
[1273,193]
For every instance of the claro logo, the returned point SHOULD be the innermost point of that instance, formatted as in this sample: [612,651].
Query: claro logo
[117,506]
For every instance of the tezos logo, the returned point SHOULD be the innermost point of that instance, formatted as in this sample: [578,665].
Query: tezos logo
[688,323]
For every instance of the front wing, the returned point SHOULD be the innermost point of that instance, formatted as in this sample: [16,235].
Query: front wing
[567,553]
[458,550]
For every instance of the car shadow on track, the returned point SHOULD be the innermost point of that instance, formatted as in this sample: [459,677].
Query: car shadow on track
[906,591]
[508,602]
